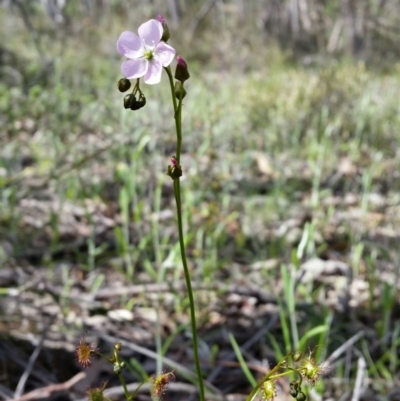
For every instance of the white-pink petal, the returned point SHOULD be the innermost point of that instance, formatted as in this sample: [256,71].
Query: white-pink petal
[150,32]
[134,68]
[153,75]
[164,53]
[130,45]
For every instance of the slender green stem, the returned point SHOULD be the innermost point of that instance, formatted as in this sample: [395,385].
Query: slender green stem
[269,376]
[122,380]
[177,192]
[171,84]
[177,115]
[189,289]
[116,360]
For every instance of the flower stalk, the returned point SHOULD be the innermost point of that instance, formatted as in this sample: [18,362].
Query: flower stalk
[177,192]
[147,55]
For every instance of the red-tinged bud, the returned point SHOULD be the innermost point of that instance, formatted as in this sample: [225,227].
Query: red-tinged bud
[174,169]
[166,34]
[174,162]
[181,72]
[181,61]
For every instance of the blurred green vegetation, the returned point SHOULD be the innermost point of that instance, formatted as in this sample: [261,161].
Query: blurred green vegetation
[288,156]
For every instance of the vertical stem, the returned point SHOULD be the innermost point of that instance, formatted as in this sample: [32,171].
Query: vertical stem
[122,380]
[189,288]
[177,192]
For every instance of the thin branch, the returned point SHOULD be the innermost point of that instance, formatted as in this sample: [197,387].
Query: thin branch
[359,385]
[344,347]
[23,379]
[48,391]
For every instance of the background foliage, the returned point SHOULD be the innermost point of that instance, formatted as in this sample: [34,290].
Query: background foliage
[291,188]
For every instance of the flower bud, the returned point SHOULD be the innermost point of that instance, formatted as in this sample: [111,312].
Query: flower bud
[136,105]
[174,169]
[174,162]
[142,102]
[310,370]
[179,89]
[301,397]
[166,35]
[269,390]
[124,84]
[117,368]
[294,388]
[181,72]
[128,100]
[96,394]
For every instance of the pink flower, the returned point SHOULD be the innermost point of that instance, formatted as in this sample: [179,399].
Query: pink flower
[146,53]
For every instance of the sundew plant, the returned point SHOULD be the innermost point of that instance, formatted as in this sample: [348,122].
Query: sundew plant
[147,55]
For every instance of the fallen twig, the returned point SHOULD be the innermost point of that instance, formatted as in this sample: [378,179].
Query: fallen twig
[47,391]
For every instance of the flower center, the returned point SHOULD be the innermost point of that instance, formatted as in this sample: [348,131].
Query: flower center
[149,51]
[148,54]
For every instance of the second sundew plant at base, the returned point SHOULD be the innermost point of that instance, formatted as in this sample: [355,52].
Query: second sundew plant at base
[147,55]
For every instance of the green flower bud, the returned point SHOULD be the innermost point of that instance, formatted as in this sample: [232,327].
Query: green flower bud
[181,72]
[117,368]
[96,394]
[179,89]
[124,84]
[269,390]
